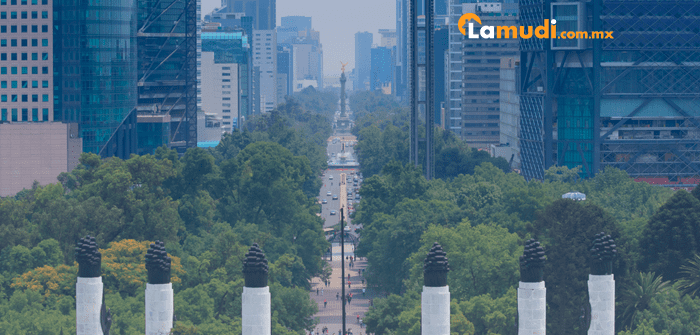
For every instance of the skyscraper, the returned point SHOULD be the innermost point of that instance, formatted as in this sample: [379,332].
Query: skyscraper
[265,57]
[95,72]
[380,72]
[263,12]
[363,59]
[480,82]
[168,48]
[630,102]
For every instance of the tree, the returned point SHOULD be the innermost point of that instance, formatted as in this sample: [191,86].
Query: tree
[565,229]
[671,235]
[690,282]
[637,295]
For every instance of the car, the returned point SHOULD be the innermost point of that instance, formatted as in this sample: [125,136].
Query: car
[357,196]
[354,184]
[332,212]
[357,201]
[328,193]
[324,201]
[335,197]
[330,177]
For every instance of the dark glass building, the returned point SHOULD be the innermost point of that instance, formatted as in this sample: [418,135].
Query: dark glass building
[95,73]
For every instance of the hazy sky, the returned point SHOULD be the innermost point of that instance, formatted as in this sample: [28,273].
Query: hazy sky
[338,21]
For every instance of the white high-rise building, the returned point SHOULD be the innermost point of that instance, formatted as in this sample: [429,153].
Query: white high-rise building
[265,57]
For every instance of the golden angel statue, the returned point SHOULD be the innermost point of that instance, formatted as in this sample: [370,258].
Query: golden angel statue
[342,66]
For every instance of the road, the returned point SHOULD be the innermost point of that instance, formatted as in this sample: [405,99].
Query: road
[327,296]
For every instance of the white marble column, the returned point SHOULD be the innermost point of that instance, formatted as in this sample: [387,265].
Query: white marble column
[88,301]
[601,293]
[159,309]
[435,310]
[257,317]
[532,308]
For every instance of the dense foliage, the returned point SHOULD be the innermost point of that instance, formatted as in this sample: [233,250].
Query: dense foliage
[209,206]
[482,220]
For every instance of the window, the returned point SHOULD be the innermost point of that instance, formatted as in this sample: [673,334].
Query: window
[35,28]
[3,56]
[25,113]
[226,111]
[35,98]
[44,15]
[13,56]
[34,2]
[225,92]
[3,114]
[35,70]
[226,74]
[13,42]
[45,84]
[13,2]
[44,28]
[13,15]
[35,114]
[35,15]
[44,2]
[25,70]
[35,42]
[24,42]
[225,86]
[35,84]
[45,42]
[24,84]
[3,98]
[35,56]
[3,15]
[45,97]
[14,114]
[24,28]
[25,97]
[13,29]
[226,80]
[13,98]
[3,29]
[14,83]
[226,99]
[24,14]
[45,70]
[24,56]
[3,70]
[3,2]
[45,114]
[3,43]
[24,2]
[226,68]
[3,84]
[44,56]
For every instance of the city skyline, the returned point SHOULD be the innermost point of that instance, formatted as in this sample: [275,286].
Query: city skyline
[337,32]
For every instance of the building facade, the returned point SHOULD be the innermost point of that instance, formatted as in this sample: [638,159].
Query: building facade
[265,58]
[509,120]
[36,151]
[380,69]
[363,59]
[94,64]
[630,102]
[168,50]
[480,79]
[262,12]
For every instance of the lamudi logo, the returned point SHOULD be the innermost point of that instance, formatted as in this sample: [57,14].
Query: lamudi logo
[548,30]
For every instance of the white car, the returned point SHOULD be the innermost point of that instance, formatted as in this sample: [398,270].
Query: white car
[330,178]
[329,193]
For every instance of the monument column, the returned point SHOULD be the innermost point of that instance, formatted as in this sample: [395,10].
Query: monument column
[532,302]
[159,291]
[257,317]
[601,286]
[89,287]
[435,300]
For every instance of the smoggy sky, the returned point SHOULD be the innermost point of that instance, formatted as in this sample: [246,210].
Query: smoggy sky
[338,21]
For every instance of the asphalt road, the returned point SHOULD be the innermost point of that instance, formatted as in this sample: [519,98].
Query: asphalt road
[334,187]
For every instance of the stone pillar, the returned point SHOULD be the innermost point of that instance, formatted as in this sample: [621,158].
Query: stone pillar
[88,289]
[601,286]
[256,301]
[159,291]
[532,294]
[435,299]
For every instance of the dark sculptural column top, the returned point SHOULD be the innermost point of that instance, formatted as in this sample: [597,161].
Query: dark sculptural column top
[255,267]
[158,264]
[88,257]
[532,262]
[435,267]
[602,253]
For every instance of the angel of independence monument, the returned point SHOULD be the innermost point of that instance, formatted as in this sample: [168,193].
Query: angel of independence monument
[343,123]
